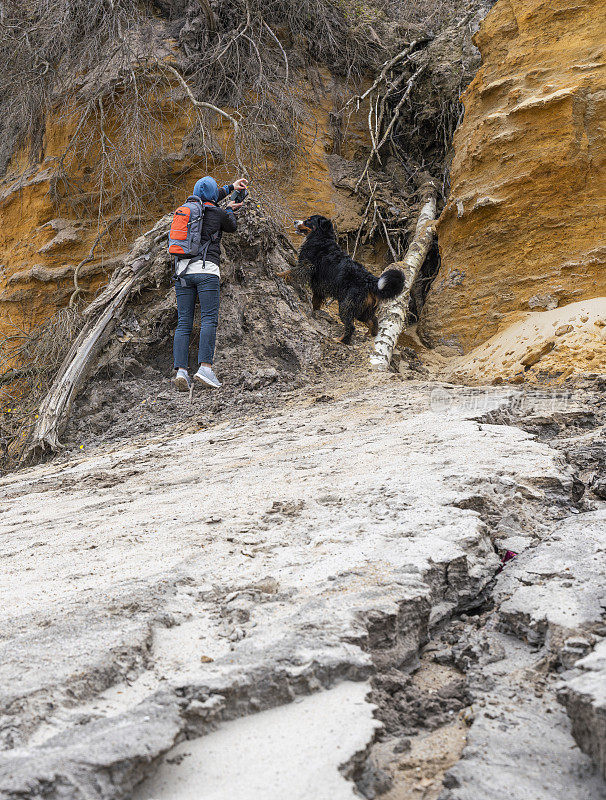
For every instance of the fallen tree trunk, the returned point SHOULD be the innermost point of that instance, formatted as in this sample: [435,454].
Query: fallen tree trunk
[394,313]
[103,315]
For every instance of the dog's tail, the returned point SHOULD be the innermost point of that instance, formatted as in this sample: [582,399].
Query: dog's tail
[390,284]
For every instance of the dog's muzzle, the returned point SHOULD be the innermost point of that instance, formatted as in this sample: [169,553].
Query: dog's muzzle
[300,227]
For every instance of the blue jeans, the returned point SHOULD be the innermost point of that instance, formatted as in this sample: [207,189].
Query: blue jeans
[206,288]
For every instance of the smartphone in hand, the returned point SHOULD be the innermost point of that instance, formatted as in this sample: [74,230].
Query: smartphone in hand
[238,196]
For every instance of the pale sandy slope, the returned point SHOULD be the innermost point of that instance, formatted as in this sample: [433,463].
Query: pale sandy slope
[563,343]
[157,589]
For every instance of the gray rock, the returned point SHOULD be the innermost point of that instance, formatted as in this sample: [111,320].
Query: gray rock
[584,695]
[101,760]
[357,583]
[519,745]
[557,589]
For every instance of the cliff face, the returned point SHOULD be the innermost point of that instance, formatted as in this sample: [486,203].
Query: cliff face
[523,231]
[43,240]
[521,235]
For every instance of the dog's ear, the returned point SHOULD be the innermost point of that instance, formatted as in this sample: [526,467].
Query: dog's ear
[325,225]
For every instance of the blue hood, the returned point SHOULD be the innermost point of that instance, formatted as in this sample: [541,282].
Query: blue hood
[206,189]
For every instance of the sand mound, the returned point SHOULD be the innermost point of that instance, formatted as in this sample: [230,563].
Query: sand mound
[564,343]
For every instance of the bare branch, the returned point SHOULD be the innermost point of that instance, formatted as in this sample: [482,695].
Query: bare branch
[364,218]
[87,259]
[283,51]
[386,67]
[392,122]
[209,106]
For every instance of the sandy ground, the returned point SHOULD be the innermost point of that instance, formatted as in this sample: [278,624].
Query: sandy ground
[564,343]
[159,588]
[284,752]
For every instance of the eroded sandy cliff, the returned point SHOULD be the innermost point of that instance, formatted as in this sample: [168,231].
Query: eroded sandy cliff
[521,236]
[523,230]
[44,237]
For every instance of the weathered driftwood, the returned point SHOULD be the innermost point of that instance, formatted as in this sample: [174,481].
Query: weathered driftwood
[394,312]
[102,316]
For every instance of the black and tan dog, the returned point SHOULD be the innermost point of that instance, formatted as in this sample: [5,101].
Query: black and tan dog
[331,273]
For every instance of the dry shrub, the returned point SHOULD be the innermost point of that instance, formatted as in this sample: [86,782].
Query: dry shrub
[29,362]
[103,64]
[429,16]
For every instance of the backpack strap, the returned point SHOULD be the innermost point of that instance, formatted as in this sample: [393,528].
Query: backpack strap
[214,237]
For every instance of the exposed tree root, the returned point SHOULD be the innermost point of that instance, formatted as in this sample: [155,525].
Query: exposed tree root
[379,142]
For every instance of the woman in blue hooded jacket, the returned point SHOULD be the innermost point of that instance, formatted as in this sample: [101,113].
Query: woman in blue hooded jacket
[201,281]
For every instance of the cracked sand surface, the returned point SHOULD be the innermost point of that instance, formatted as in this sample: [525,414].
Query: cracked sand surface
[156,589]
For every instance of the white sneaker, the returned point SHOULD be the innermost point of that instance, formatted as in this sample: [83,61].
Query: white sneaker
[182,381]
[207,378]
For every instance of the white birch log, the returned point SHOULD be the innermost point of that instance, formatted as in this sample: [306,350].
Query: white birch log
[394,312]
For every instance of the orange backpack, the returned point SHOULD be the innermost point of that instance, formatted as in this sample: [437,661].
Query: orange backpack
[185,237]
